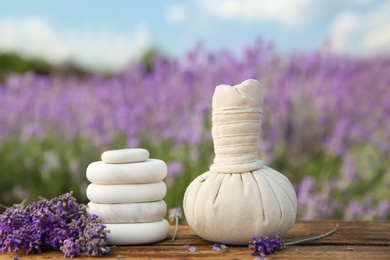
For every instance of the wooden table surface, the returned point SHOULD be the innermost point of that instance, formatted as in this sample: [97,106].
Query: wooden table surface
[352,240]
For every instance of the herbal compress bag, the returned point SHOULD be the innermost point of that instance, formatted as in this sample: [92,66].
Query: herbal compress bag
[239,197]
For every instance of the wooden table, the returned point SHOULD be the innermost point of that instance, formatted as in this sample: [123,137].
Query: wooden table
[352,240]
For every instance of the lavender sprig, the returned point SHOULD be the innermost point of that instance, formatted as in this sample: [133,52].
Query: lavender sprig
[60,223]
[266,245]
[175,214]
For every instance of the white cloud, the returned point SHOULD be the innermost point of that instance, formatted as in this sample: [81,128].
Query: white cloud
[253,10]
[360,34]
[288,13]
[175,14]
[96,49]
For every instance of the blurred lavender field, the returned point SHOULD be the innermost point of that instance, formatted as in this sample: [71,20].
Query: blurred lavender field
[326,126]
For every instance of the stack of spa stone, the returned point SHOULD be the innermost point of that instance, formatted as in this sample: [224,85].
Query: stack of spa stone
[127,194]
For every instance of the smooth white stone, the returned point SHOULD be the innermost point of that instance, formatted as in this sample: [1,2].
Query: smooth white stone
[151,170]
[129,212]
[126,193]
[137,233]
[125,155]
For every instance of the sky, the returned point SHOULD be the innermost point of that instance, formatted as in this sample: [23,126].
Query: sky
[108,35]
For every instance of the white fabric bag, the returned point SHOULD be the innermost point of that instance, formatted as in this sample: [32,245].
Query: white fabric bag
[239,197]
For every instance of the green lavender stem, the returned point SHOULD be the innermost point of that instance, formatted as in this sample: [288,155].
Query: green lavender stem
[310,239]
[177,224]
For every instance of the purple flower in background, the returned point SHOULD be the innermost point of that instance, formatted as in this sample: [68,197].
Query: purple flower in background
[354,211]
[320,110]
[306,187]
[348,168]
[314,204]
[132,142]
[383,210]
[174,169]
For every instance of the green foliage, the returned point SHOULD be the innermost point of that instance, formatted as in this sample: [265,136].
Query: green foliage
[148,57]
[52,166]
[14,63]
[43,168]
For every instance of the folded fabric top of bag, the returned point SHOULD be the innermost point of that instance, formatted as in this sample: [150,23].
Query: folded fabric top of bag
[236,127]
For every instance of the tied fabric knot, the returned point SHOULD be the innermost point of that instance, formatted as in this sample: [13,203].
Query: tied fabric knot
[236,136]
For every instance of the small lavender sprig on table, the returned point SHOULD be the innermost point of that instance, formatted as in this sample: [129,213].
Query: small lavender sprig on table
[175,214]
[265,245]
[60,223]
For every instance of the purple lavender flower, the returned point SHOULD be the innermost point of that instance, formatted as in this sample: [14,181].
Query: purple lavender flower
[175,214]
[266,245]
[218,247]
[70,248]
[354,211]
[223,246]
[174,169]
[384,210]
[60,223]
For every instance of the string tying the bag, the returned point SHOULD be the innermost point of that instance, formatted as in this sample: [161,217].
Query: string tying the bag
[236,127]
[236,135]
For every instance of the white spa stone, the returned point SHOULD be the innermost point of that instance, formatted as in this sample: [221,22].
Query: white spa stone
[125,155]
[151,170]
[137,233]
[129,212]
[126,193]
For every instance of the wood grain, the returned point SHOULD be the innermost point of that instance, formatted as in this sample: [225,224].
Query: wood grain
[352,240]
